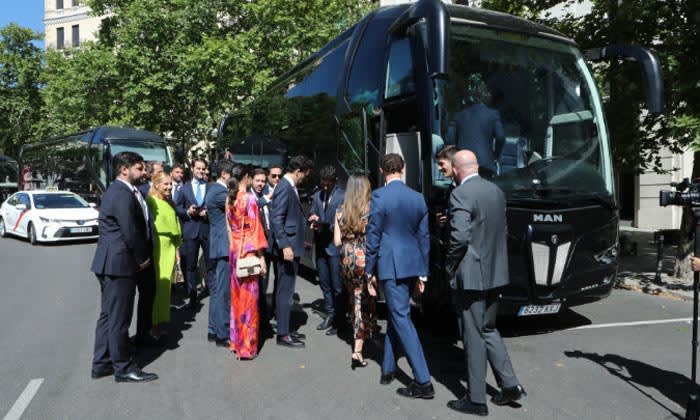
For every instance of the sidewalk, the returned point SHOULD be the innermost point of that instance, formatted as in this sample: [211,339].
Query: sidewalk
[638,254]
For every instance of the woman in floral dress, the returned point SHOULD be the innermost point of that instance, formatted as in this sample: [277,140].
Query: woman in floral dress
[246,236]
[349,234]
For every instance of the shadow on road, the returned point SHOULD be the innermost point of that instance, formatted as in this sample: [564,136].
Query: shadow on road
[640,375]
[181,318]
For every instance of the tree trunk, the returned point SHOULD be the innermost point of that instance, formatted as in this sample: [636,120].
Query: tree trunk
[685,246]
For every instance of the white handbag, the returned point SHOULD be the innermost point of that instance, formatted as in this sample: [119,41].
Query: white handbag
[248,266]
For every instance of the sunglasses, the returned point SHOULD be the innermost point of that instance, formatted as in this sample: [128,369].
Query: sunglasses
[273,176]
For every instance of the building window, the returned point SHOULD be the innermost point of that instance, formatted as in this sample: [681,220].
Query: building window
[76,35]
[59,38]
[59,4]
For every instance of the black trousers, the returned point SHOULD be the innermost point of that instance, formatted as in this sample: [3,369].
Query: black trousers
[285,292]
[146,285]
[112,346]
[189,256]
[267,311]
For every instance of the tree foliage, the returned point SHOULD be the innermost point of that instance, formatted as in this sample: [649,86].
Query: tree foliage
[20,71]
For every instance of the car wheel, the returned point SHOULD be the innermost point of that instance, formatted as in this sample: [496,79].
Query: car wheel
[31,234]
[3,232]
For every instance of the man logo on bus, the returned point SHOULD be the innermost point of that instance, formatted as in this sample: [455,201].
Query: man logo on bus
[548,218]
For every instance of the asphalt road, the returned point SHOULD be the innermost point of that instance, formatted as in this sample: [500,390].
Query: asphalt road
[573,365]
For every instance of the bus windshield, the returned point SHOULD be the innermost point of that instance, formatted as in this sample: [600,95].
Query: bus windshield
[150,151]
[529,109]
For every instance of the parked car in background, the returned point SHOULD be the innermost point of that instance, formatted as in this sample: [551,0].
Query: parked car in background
[48,216]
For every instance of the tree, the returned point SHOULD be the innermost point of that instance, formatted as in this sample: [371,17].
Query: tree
[20,101]
[181,64]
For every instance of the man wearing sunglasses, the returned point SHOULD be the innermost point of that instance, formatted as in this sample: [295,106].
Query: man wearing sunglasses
[273,178]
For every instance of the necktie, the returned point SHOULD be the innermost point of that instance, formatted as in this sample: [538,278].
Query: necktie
[144,208]
[325,200]
[199,196]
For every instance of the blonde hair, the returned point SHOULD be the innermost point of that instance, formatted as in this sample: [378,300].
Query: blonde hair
[157,179]
[357,195]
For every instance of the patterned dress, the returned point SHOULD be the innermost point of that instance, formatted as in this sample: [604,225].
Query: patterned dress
[363,306]
[245,226]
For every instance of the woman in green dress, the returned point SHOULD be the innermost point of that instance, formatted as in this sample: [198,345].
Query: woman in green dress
[167,239]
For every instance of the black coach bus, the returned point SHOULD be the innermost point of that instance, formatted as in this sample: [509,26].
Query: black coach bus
[395,81]
[8,177]
[82,162]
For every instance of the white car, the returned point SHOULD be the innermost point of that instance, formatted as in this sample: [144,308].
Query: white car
[48,216]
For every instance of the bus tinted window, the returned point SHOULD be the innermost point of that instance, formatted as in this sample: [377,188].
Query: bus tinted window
[148,150]
[322,75]
[364,84]
[399,75]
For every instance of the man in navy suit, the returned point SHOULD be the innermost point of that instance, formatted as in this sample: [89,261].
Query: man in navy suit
[123,251]
[258,188]
[324,204]
[477,126]
[397,249]
[191,210]
[219,287]
[288,226]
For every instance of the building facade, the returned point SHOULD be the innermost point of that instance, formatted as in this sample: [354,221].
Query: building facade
[68,23]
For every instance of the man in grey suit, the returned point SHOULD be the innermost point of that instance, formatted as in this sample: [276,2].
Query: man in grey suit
[477,263]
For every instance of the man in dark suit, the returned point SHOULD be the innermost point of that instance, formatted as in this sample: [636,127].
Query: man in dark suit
[477,263]
[177,173]
[324,204]
[398,245]
[123,251]
[288,226]
[477,126]
[258,188]
[219,288]
[191,210]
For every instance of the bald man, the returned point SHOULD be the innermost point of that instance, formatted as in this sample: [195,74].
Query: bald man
[477,263]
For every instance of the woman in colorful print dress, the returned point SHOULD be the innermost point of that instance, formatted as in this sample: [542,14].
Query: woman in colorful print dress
[167,238]
[246,236]
[349,234]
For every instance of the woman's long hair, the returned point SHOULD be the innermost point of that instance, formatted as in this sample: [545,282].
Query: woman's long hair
[237,174]
[155,180]
[357,195]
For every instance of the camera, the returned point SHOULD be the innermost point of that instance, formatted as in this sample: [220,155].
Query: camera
[687,194]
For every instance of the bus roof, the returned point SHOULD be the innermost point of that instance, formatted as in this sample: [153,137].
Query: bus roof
[106,133]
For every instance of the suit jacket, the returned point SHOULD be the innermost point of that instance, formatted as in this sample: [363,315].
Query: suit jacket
[477,251]
[477,127]
[288,220]
[324,239]
[398,241]
[195,226]
[123,243]
[215,201]
[265,218]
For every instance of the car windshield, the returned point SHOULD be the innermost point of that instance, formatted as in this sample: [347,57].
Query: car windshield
[529,109]
[59,201]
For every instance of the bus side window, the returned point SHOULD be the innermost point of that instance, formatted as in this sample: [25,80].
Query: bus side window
[399,74]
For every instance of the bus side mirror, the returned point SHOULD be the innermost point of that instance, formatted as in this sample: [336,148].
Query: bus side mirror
[651,70]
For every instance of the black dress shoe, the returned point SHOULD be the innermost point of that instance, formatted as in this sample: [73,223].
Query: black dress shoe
[386,378]
[135,376]
[326,324]
[211,337]
[509,395]
[289,341]
[332,331]
[466,406]
[297,335]
[146,340]
[414,390]
[222,342]
[101,373]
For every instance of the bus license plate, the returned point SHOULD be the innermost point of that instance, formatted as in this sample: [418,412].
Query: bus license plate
[539,309]
[81,230]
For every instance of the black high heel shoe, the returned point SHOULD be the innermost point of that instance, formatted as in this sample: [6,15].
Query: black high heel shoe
[357,362]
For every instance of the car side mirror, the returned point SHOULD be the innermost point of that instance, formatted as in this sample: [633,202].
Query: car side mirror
[93,205]
[21,206]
